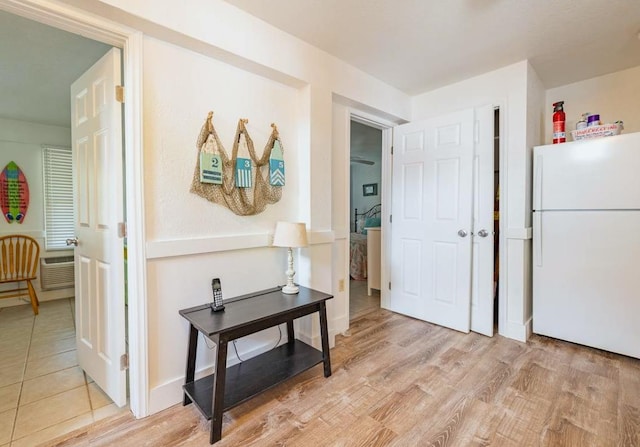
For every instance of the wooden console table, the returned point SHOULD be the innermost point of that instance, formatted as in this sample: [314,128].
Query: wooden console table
[244,315]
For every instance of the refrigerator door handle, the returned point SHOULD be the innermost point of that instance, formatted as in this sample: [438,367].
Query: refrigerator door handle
[537,238]
[537,183]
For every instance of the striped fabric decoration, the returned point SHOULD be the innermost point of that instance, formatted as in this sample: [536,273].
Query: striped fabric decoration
[243,173]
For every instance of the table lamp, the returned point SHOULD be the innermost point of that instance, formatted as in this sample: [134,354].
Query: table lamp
[290,235]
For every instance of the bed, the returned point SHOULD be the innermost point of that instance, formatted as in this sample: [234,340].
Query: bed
[358,242]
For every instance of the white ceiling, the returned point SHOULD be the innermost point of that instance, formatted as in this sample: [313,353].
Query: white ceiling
[419,45]
[38,64]
[414,45]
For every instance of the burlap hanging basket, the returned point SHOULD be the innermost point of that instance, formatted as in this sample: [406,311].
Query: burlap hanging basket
[242,201]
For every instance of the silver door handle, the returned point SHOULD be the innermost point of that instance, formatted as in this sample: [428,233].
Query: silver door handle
[483,233]
[462,233]
[72,241]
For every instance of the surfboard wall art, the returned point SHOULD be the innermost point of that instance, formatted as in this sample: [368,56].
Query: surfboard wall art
[14,193]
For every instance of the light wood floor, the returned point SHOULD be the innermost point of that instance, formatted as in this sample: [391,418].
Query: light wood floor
[402,382]
[359,302]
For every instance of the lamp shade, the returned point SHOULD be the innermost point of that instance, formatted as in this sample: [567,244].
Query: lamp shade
[290,234]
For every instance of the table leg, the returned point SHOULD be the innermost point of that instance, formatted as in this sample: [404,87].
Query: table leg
[191,361]
[290,335]
[218,389]
[324,335]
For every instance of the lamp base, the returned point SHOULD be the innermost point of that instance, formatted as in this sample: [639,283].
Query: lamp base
[290,290]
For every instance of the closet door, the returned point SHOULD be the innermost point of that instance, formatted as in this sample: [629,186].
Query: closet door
[431,230]
[482,301]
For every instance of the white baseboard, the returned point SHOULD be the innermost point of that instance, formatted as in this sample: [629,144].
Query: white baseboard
[43,296]
[170,393]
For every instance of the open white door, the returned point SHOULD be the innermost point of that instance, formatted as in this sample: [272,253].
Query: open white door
[483,237]
[431,229]
[96,132]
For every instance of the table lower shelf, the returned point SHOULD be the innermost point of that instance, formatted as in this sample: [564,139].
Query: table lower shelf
[255,375]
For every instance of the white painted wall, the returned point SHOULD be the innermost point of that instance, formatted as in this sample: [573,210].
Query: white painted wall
[535,137]
[22,141]
[340,191]
[615,96]
[506,88]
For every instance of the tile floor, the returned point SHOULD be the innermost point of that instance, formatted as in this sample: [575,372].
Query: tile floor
[43,392]
[359,302]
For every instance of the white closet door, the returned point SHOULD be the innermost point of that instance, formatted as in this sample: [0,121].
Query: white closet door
[432,220]
[482,297]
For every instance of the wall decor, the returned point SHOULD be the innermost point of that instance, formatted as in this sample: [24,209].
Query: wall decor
[14,193]
[243,187]
[243,173]
[370,189]
[210,162]
[276,165]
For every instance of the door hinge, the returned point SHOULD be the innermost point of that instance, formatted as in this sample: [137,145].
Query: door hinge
[390,218]
[122,229]
[124,362]
[119,93]
[391,150]
[389,285]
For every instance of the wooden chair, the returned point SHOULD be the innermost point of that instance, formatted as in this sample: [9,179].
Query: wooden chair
[19,257]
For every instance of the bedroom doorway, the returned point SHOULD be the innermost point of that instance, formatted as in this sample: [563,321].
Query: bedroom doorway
[365,206]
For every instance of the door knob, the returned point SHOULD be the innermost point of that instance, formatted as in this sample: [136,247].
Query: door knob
[462,233]
[483,233]
[72,241]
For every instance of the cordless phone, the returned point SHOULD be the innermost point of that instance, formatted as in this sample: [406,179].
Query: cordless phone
[216,287]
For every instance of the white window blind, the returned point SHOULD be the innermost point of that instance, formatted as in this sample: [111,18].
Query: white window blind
[58,197]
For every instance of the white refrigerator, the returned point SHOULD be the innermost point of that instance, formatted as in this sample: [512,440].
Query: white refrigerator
[586,243]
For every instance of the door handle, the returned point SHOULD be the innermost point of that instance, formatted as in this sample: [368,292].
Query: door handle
[72,241]
[483,233]
[462,233]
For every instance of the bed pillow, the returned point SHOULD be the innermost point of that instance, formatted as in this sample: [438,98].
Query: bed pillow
[370,222]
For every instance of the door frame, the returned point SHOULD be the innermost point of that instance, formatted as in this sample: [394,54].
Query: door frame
[386,127]
[130,41]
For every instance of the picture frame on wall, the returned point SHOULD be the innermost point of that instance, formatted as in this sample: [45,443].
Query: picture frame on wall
[370,189]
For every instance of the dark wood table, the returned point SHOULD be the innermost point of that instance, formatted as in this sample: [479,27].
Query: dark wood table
[244,315]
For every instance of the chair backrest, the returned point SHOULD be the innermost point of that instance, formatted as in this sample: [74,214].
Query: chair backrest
[19,256]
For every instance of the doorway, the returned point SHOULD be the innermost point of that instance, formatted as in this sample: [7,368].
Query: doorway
[44,370]
[365,183]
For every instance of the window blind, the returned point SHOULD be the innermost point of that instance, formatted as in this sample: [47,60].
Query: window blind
[58,197]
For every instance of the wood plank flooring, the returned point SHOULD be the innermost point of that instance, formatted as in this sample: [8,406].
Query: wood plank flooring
[401,382]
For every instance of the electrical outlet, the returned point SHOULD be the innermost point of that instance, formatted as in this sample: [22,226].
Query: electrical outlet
[341,285]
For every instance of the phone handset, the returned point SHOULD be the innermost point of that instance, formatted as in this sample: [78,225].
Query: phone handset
[216,288]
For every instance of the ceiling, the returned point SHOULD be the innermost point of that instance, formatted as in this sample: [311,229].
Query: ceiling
[414,45]
[38,64]
[419,45]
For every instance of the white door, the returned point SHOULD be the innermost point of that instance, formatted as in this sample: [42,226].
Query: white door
[99,263]
[482,296]
[432,220]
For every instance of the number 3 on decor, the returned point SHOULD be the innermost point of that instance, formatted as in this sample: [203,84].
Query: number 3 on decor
[243,173]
